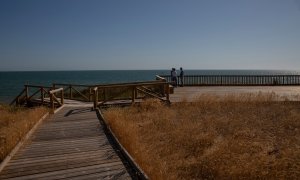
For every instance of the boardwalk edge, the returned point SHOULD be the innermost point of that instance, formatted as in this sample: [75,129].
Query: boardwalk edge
[138,170]
[24,139]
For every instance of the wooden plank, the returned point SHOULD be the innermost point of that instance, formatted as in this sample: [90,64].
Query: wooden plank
[56,90]
[44,169]
[75,148]
[58,166]
[38,144]
[63,156]
[26,154]
[66,148]
[115,174]
[69,172]
[58,142]
[33,168]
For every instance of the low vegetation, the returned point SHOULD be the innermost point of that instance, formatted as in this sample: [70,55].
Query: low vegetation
[14,124]
[250,136]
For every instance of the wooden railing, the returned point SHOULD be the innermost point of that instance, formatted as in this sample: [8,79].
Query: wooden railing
[33,95]
[130,92]
[76,91]
[54,99]
[238,80]
[31,92]
[98,94]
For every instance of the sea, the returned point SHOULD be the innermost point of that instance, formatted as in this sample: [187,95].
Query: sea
[12,83]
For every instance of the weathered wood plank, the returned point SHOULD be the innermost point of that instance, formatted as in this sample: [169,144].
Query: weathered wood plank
[51,144]
[63,141]
[68,172]
[70,144]
[59,157]
[59,151]
[56,166]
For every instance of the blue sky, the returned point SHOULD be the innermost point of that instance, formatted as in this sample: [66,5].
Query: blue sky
[149,34]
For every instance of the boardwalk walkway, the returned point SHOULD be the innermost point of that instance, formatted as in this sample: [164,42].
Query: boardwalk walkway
[69,145]
[189,93]
[72,144]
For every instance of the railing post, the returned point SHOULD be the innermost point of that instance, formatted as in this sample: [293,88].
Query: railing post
[51,104]
[95,97]
[133,94]
[70,95]
[62,97]
[42,95]
[90,93]
[104,94]
[27,92]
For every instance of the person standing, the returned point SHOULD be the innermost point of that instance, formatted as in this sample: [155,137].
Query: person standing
[181,76]
[174,77]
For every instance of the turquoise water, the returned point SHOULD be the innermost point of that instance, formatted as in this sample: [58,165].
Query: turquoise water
[11,83]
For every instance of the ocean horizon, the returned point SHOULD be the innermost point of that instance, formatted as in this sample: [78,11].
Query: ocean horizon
[12,82]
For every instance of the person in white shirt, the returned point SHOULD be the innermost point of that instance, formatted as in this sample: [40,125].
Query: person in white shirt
[174,77]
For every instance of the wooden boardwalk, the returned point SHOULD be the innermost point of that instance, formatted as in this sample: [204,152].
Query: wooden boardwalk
[190,93]
[71,144]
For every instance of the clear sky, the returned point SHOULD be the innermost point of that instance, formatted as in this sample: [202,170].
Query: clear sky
[149,34]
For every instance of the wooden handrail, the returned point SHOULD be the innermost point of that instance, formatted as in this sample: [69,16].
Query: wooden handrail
[111,84]
[121,91]
[38,86]
[15,100]
[82,95]
[54,98]
[131,84]
[159,78]
[150,94]
[135,88]
[56,90]
[95,97]
[64,84]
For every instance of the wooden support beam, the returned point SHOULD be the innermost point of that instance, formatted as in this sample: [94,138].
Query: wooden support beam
[133,94]
[42,95]
[70,95]
[26,92]
[150,94]
[56,90]
[28,98]
[52,107]
[95,90]
[62,97]
[86,98]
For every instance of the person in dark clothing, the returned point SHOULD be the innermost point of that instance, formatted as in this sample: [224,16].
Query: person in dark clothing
[181,77]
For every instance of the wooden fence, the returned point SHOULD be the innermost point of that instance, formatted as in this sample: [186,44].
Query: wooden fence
[33,95]
[130,92]
[238,80]
[76,91]
[100,95]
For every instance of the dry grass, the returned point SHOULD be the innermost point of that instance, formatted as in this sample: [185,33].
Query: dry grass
[14,124]
[237,137]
